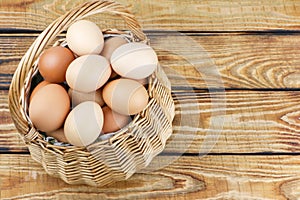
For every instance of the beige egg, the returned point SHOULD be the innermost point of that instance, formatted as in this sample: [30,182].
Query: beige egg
[59,135]
[49,107]
[84,124]
[85,37]
[113,121]
[125,96]
[134,60]
[110,45]
[88,73]
[79,97]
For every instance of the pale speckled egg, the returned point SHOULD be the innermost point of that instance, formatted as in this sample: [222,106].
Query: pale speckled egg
[49,107]
[84,124]
[58,134]
[88,73]
[85,37]
[134,60]
[53,63]
[113,121]
[125,96]
[79,97]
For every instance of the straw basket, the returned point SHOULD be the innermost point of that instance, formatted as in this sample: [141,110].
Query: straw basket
[114,158]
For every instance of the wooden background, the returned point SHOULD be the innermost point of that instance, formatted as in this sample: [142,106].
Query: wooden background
[255,47]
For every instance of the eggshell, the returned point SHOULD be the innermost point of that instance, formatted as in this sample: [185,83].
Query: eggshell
[53,63]
[143,81]
[84,124]
[134,60]
[125,96]
[59,135]
[113,121]
[85,37]
[39,86]
[110,45]
[88,73]
[49,107]
[79,97]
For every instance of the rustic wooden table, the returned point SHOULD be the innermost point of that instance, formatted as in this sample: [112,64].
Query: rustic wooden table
[242,93]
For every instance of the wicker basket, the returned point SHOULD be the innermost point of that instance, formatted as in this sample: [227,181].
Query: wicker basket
[108,160]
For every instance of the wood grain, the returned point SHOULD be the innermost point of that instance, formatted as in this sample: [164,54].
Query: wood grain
[242,121]
[206,15]
[230,61]
[210,177]
[9,138]
[210,61]
[216,122]
[252,129]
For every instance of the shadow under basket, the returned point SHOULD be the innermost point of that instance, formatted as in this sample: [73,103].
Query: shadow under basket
[107,160]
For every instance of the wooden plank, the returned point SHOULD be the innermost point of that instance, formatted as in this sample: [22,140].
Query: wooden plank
[206,15]
[210,177]
[243,121]
[235,121]
[230,61]
[9,138]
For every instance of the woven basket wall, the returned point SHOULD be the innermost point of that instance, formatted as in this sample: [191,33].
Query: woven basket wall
[103,162]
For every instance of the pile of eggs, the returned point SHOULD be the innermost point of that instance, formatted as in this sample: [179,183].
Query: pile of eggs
[91,87]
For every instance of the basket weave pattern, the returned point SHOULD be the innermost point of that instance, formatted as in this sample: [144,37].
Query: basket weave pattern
[103,162]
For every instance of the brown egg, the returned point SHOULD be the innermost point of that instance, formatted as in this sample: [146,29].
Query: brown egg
[113,121]
[53,63]
[49,107]
[125,96]
[39,86]
[110,45]
[79,97]
[59,135]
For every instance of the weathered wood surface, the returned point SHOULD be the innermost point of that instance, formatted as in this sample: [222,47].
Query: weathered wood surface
[251,130]
[210,177]
[242,121]
[207,15]
[239,61]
